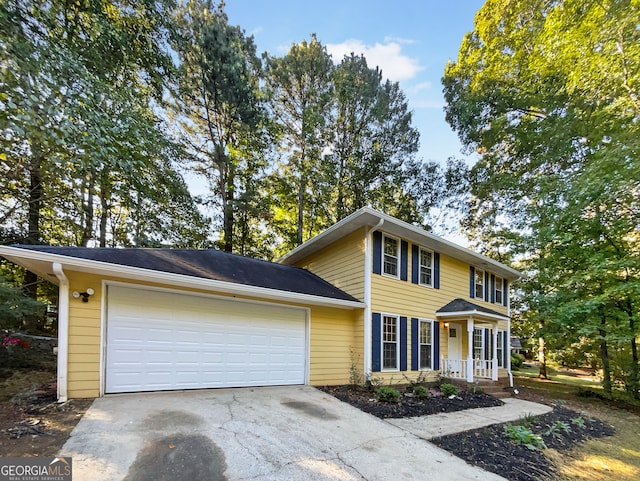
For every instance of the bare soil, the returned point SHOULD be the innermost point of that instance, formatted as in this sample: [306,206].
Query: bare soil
[32,422]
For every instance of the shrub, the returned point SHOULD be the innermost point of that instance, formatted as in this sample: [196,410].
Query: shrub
[523,435]
[387,394]
[421,392]
[516,360]
[449,389]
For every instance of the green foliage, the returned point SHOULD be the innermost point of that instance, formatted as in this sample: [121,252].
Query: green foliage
[523,435]
[557,429]
[387,394]
[516,360]
[421,392]
[579,421]
[449,389]
[546,93]
[15,306]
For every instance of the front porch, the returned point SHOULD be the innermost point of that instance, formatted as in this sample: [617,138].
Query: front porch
[476,348]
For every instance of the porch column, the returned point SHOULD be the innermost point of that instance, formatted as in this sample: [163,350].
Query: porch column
[494,363]
[470,350]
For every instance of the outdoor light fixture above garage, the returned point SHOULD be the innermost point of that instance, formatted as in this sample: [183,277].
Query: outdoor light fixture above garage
[85,295]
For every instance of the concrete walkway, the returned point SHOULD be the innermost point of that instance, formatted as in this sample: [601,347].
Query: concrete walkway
[429,427]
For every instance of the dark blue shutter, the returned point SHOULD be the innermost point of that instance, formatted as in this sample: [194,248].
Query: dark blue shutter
[493,289]
[486,286]
[404,260]
[472,282]
[414,343]
[436,345]
[415,263]
[487,344]
[403,343]
[376,341]
[377,252]
[505,292]
[504,349]
[436,270]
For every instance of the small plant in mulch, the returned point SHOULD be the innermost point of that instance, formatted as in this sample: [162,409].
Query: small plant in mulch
[515,450]
[414,400]
[449,389]
[387,394]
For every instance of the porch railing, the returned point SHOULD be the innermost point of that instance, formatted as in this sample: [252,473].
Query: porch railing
[454,368]
[458,368]
[482,368]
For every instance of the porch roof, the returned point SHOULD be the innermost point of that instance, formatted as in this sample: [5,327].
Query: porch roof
[462,308]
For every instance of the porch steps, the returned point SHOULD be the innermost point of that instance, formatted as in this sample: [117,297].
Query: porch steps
[498,389]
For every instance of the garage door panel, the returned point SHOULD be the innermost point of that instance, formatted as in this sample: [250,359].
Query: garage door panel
[180,341]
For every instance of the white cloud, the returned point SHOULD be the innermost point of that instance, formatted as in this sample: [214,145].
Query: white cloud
[388,56]
[404,41]
[419,87]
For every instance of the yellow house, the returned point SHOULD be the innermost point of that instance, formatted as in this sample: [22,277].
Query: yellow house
[370,295]
[431,307]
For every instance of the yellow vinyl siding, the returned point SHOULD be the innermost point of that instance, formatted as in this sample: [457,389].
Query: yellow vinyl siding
[333,345]
[334,333]
[83,371]
[341,264]
[404,298]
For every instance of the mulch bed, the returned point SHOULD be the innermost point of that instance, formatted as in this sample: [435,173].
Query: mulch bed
[489,448]
[409,405]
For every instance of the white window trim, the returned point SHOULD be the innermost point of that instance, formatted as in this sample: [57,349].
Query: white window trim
[432,267]
[432,323]
[501,290]
[482,339]
[398,255]
[382,343]
[475,285]
[500,347]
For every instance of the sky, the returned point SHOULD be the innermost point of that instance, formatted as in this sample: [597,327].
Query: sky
[410,40]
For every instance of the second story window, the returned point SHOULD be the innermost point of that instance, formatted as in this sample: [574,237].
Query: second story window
[498,290]
[390,256]
[479,283]
[426,267]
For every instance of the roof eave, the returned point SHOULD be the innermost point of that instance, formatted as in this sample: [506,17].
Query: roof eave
[370,217]
[474,314]
[19,256]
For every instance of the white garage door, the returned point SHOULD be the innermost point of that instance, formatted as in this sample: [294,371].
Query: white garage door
[159,340]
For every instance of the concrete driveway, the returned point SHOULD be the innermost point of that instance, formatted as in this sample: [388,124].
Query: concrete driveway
[263,434]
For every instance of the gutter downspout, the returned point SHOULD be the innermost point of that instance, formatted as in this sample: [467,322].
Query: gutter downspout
[368,253]
[63,330]
[508,353]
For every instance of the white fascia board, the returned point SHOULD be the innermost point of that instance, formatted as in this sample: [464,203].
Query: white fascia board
[369,217]
[149,275]
[474,314]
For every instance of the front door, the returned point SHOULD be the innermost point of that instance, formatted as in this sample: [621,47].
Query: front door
[455,348]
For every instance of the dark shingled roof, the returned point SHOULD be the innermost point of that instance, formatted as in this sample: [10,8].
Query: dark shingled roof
[460,305]
[208,264]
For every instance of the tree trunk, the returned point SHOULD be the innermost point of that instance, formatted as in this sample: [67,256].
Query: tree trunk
[105,196]
[633,384]
[604,356]
[36,192]
[228,220]
[542,360]
[87,232]
[301,189]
